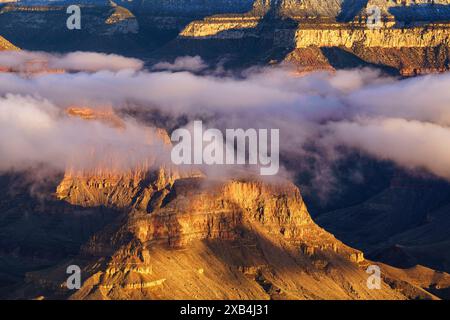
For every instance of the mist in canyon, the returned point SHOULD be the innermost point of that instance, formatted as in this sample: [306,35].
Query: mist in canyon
[319,115]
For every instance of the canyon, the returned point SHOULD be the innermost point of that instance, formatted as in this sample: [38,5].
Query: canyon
[161,232]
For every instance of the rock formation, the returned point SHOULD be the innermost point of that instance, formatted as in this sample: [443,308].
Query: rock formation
[121,20]
[6,45]
[185,236]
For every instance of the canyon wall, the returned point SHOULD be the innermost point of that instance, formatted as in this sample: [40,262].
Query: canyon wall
[348,36]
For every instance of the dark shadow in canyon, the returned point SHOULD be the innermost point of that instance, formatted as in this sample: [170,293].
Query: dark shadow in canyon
[39,231]
[350,8]
[394,216]
[268,42]
[47,31]
[340,58]
[403,225]
[425,12]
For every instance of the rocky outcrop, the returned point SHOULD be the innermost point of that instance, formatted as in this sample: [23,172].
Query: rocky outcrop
[411,51]
[112,189]
[6,45]
[196,209]
[121,20]
[227,26]
[110,186]
[220,27]
[239,239]
[350,35]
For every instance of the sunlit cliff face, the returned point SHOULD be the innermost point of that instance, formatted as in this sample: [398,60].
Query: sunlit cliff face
[105,115]
[108,171]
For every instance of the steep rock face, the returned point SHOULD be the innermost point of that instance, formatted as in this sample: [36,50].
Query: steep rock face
[201,209]
[220,27]
[227,26]
[121,20]
[412,10]
[171,210]
[335,36]
[412,51]
[299,11]
[114,187]
[111,189]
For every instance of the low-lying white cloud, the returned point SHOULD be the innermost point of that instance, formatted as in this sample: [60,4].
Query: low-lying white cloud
[410,143]
[34,132]
[74,61]
[404,121]
[186,63]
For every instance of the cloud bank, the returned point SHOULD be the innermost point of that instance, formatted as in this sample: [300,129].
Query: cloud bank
[34,132]
[186,63]
[75,61]
[403,121]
